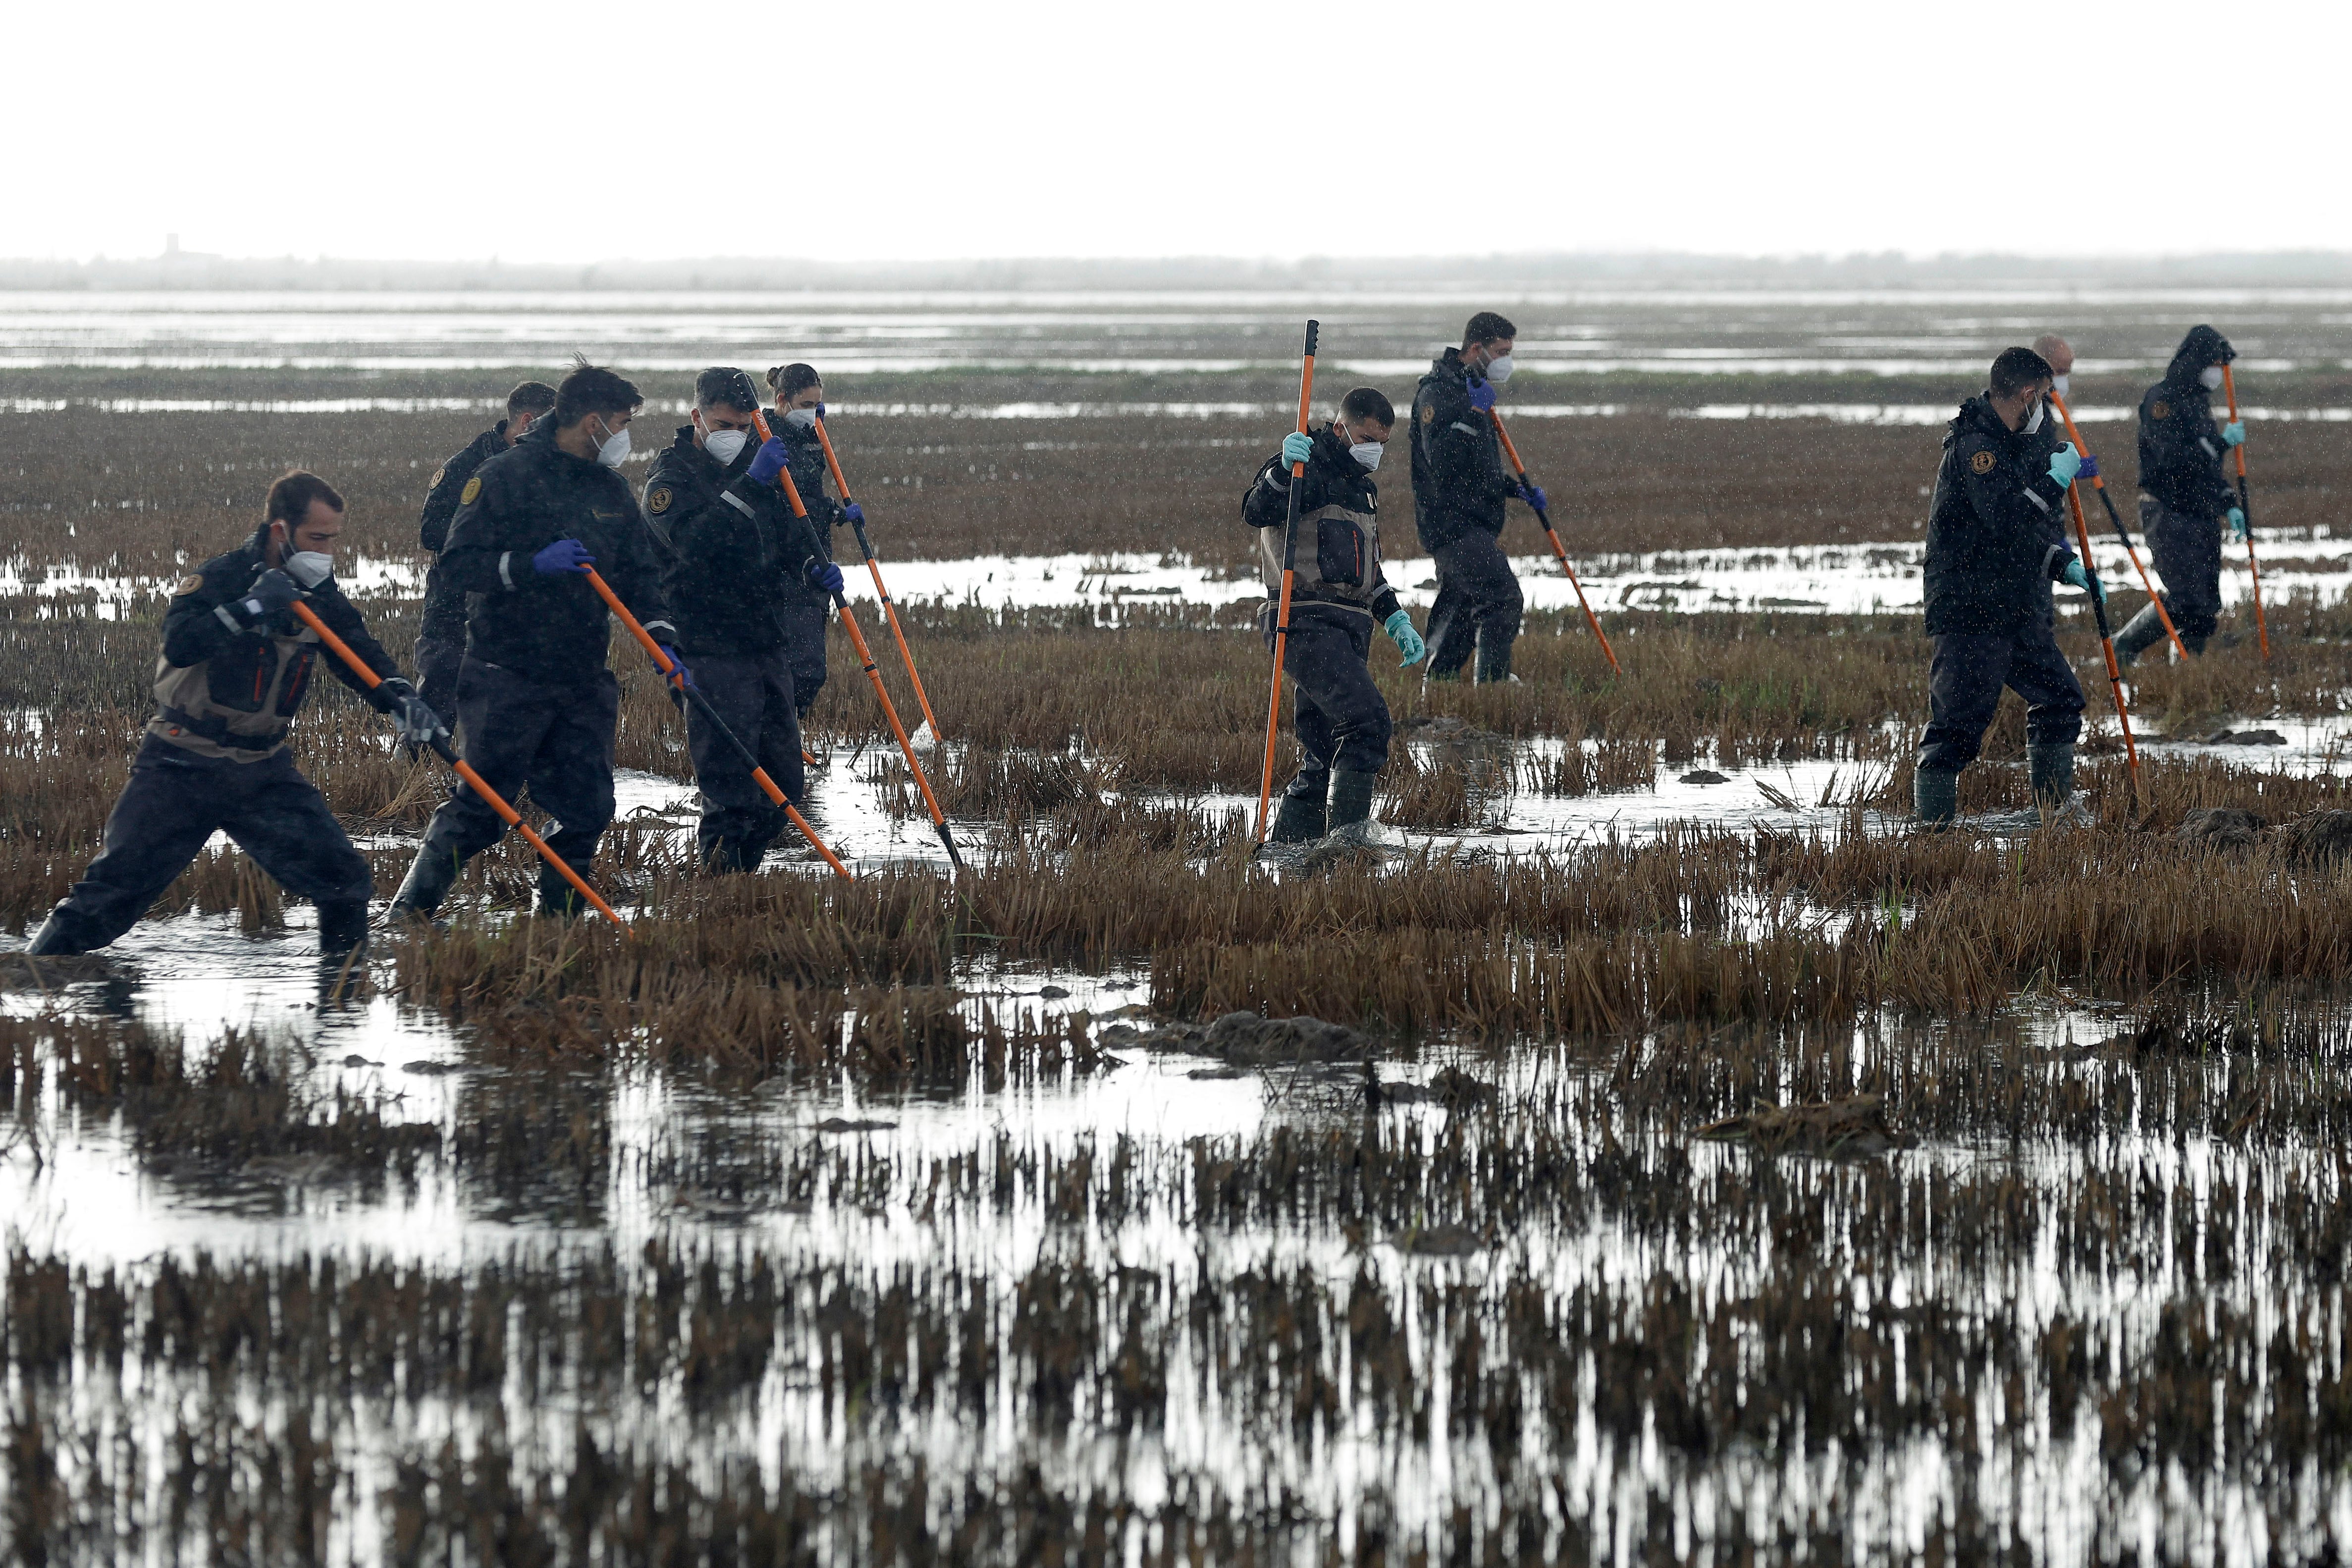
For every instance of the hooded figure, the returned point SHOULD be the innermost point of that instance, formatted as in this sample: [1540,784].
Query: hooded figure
[2185,493]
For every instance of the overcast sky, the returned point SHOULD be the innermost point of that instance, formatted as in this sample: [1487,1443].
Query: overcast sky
[874,128]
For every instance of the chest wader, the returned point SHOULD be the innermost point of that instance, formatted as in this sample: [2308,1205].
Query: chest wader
[1338,564]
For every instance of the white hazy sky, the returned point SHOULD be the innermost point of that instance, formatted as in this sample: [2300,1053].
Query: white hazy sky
[907,129]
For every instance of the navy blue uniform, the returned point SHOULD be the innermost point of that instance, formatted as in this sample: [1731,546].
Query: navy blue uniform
[2185,490]
[1992,554]
[214,760]
[536,704]
[441,630]
[1341,720]
[733,554]
[804,608]
[1459,489]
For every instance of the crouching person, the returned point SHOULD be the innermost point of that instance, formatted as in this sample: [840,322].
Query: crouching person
[236,664]
[1992,556]
[1338,592]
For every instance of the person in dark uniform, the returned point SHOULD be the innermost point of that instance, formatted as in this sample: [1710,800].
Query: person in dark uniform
[441,631]
[1459,486]
[735,556]
[535,701]
[1337,592]
[2185,494]
[1991,557]
[236,666]
[800,401]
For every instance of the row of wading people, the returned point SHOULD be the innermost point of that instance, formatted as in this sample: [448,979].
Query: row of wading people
[709,557]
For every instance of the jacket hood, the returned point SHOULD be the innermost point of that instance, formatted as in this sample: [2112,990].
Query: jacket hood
[2201,347]
[1975,412]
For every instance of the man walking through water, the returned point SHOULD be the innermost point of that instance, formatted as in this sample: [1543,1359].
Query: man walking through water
[441,633]
[1459,486]
[1991,557]
[2185,494]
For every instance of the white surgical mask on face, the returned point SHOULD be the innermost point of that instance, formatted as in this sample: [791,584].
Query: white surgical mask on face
[2033,420]
[615,449]
[2058,384]
[1498,370]
[1367,453]
[2212,377]
[309,568]
[725,445]
[801,418]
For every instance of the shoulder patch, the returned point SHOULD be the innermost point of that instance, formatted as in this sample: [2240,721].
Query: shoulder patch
[473,488]
[438,475]
[1429,414]
[657,499]
[1983,462]
[2160,409]
[187,585]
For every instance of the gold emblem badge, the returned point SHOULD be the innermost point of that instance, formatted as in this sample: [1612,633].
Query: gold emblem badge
[438,475]
[1429,414]
[473,488]
[2160,409]
[1983,462]
[186,586]
[657,499]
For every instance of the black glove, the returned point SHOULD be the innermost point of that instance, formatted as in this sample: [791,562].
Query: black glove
[420,727]
[272,593]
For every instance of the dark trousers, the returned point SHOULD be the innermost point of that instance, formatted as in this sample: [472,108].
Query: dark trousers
[1342,721]
[176,801]
[2187,551]
[802,611]
[753,696]
[1964,682]
[555,740]
[1477,609]
[440,644]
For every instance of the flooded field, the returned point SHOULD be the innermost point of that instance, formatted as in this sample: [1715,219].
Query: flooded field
[1649,1150]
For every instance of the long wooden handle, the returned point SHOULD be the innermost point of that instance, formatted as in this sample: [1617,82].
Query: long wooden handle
[874,567]
[2246,506]
[2099,483]
[1543,515]
[2106,642]
[1282,608]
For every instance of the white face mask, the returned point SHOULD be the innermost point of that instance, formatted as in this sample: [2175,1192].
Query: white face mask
[2033,420]
[1498,370]
[2058,384]
[725,445]
[615,449]
[801,418]
[2212,377]
[309,568]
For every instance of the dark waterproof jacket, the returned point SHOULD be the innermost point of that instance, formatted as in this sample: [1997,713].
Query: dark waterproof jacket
[1991,553]
[1337,563]
[731,548]
[804,460]
[1458,483]
[2180,451]
[549,628]
[449,483]
[223,690]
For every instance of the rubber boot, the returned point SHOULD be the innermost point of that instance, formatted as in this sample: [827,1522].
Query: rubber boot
[2049,768]
[57,938]
[1351,799]
[1935,797]
[430,877]
[1494,663]
[342,926]
[558,896]
[2142,632]
[1301,820]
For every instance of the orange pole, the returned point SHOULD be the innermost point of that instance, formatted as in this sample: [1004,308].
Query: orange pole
[2099,483]
[890,610]
[866,657]
[2106,643]
[668,667]
[2246,505]
[1282,612]
[1543,516]
[343,650]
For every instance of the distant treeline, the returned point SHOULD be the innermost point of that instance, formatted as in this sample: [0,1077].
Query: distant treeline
[193,271]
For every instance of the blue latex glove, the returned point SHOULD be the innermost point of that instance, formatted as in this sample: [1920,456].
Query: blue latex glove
[1297,447]
[2238,525]
[680,675]
[819,411]
[1400,629]
[823,573]
[2076,577]
[1482,396]
[2234,433]
[2064,464]
[1533,495]
[853,514]
[2090,468]
[769,460]
[563,556]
